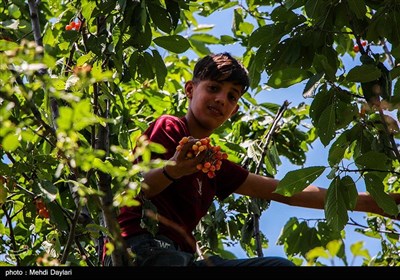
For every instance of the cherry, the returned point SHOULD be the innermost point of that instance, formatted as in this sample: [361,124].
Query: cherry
[213,159]
[73,25]
[41,208]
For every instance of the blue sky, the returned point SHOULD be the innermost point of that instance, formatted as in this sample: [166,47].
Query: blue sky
[276,216]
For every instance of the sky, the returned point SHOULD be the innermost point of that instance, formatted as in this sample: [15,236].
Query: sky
[276,216]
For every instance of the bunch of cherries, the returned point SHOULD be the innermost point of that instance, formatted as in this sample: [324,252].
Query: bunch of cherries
[41,208]
[73,25]
[356,47]
[213,159]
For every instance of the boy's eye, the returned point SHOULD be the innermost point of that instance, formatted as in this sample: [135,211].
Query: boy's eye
[233,97]
[213,88]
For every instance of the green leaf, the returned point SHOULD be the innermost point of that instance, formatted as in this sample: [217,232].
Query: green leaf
[349,192]
[358,8]
[312,84]
[145,66]
[288,77]
[297,180]
[295,240]
[84,59]
[160,68]
[376,188]
[7,45]
[321,63]
[174,11]
[157,148]
[204,28]
[373,160]
[82,115]
[95,44]
[246,27]
[199,48]
[345,113]
[48,189]
[326,125]
[57,216]
[366,59]
[160,17]
[269,161]
[10,24]
[335,206]
[262,35]
[148,221]
[337,149]
[226,39]
[323,99]
[173,43]
[14,11]
[87,8]
[143,38]
[395,72]
[314,8]
[256,66]
[364,73]
[333,247]
[317,252]
[357,249]
[291,224]
[309,239]
[247,230]
[10,142]
[205,38]
[64,122]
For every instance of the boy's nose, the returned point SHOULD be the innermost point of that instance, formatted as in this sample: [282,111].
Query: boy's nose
[220,98]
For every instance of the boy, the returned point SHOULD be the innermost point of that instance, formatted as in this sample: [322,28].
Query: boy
[181,194]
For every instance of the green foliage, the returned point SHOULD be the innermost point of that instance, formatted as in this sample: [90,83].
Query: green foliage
[297,180]
[73,104]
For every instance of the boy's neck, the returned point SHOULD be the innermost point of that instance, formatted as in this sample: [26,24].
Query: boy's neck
[194,129]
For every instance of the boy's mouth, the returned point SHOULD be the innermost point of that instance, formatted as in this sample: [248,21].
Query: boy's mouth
[214,110]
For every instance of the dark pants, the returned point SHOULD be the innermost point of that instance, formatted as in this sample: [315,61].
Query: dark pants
[155,251]
[161,251]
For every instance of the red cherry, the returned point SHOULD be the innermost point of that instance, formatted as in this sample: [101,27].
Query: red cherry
[44,213]
[68,27]
[356,48]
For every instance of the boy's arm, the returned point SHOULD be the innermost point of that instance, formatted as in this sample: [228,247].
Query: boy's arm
[154,182]
[310,197]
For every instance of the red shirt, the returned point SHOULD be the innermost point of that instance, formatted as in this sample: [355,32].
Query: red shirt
[186,201]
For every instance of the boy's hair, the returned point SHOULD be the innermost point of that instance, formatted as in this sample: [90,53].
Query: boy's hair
[221,67]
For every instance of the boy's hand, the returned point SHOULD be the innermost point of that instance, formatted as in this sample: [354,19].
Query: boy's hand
[185,160]
[197,155]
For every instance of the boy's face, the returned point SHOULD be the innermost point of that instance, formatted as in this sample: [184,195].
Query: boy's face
[212,102]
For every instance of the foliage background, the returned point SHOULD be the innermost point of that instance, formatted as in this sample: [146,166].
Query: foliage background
[73,104]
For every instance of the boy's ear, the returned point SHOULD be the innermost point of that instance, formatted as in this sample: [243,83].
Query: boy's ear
[189,89]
